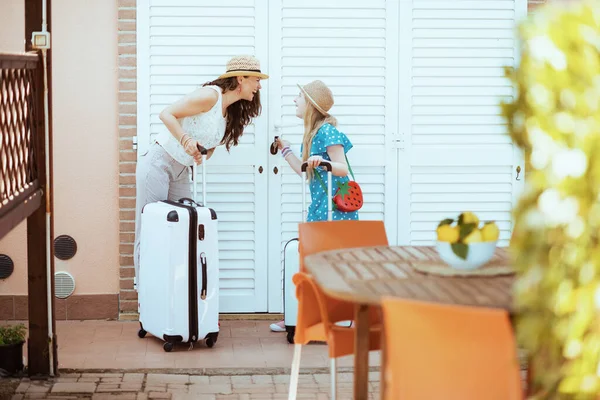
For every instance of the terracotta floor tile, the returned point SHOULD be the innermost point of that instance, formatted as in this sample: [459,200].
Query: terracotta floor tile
[242,344]
[162,361]
[132,348]
[129,362]
[245,342]
[70,361]
[306,361]
[224,331]
[106,332]
[93,361]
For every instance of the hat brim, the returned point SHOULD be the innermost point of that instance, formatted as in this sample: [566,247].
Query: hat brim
[312,101]
[244,73]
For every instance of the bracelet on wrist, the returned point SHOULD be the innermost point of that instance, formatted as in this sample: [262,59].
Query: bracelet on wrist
[187,140]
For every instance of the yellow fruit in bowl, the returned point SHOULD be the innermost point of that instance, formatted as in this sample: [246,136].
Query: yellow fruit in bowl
[448,233]
[490,232]
[473,237]
[468,218]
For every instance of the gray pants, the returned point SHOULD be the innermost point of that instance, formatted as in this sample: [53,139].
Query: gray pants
[158,177]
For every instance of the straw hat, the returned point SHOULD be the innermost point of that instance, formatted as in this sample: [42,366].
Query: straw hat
[244,65]
[319,95]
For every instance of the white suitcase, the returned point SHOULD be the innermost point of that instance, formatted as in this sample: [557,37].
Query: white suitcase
[291,261]
[178,287]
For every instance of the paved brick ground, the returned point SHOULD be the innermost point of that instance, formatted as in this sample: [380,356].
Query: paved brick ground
[115,345]
[139,386]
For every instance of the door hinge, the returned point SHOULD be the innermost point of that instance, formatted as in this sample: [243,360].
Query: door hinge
[134,145]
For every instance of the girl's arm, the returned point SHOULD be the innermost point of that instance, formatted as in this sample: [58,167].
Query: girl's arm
[290,157]
[339,166]
[295,163]
[336,154]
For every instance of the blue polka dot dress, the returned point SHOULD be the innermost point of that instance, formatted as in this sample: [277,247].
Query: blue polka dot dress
[327,135]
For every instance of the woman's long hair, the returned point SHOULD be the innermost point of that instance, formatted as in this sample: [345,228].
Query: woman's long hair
[239,114]
[313,120]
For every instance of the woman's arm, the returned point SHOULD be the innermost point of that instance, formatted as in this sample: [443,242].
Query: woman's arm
[210,153]
[199,101]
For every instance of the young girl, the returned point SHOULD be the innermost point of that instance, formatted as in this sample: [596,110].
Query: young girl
[322,141]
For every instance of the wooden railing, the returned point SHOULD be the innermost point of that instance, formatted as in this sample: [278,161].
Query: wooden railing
[22,139]
[23,191]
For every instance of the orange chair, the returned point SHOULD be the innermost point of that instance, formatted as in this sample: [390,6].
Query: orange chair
[314,237]
[436,351]
[318,314]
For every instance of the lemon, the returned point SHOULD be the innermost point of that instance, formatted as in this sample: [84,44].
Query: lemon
[468,218]
[490,232]
[447,233]
[473,237]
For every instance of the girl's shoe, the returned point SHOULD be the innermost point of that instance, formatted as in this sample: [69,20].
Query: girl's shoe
[278,327]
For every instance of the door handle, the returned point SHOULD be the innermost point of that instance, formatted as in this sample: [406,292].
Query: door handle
[275,170]
[274,148]
[518,172]
[260,169]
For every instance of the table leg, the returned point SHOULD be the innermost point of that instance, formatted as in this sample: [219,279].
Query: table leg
[361,353]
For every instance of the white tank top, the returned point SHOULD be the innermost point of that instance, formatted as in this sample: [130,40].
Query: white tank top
[207,128]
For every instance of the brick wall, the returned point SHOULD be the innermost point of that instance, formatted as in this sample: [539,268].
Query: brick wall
[127,158]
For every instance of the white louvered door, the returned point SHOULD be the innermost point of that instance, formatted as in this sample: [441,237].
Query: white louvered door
[455,154]
[181,45]
[352,47]
[416,85]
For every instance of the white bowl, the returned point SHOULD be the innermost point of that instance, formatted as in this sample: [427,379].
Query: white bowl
[478,254]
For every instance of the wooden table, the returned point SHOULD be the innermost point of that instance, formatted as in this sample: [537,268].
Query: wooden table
[365,275]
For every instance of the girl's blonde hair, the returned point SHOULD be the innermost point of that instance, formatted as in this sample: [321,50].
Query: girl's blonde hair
[313,120]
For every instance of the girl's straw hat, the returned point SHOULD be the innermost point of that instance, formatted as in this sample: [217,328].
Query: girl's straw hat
[244,65]
[319,96]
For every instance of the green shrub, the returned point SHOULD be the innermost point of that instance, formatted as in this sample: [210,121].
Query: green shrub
[12,334]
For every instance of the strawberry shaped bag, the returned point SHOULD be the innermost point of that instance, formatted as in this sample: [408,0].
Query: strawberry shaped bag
[348,196]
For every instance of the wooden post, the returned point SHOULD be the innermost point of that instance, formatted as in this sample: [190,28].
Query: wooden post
[39,345]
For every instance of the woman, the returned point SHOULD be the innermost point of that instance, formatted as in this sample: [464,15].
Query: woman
[214,114]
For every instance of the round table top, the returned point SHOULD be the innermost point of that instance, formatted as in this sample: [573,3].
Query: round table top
[367,274]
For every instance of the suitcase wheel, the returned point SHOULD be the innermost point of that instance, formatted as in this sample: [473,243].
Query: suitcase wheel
[168,346]
[291,332]
[142,332]
[211,339]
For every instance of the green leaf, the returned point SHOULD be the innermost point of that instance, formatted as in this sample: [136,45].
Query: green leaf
[466,229]
[461,250]
[447,221]
[343,189]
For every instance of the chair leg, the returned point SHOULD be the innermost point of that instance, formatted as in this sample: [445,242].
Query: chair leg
[333,374]
[295,372]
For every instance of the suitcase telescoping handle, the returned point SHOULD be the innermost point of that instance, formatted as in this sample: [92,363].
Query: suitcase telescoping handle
[329,169]
[204,152]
